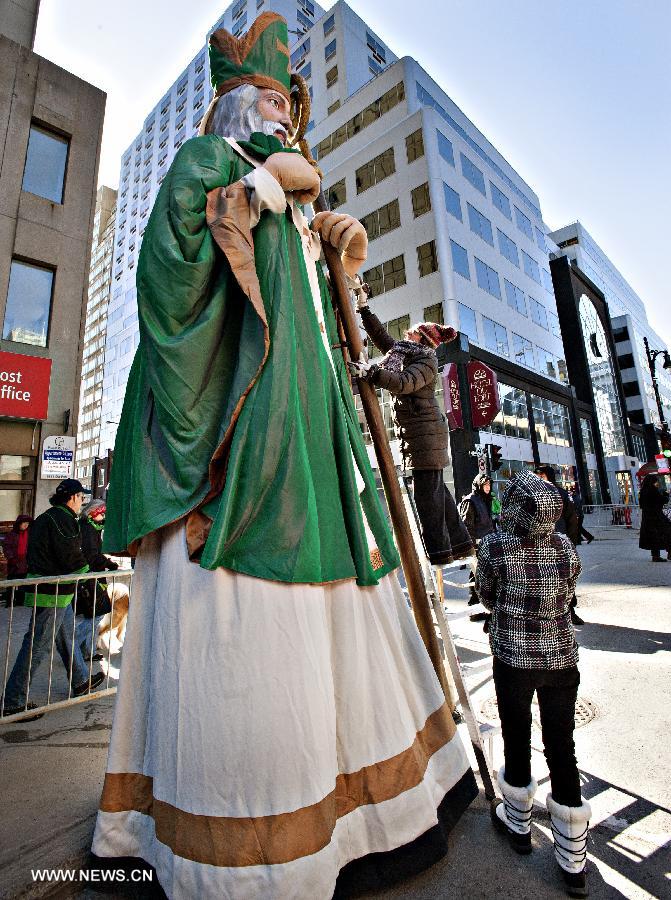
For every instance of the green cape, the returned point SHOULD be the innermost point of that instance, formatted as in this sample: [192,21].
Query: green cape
[289,509]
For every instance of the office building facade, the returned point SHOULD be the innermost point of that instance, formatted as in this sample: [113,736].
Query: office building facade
[95,332]
[630,326]
[52,122]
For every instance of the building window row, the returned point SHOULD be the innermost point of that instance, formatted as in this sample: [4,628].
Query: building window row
[426,99]
[361,120]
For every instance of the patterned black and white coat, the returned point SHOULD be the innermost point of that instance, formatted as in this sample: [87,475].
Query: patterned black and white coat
[526,577]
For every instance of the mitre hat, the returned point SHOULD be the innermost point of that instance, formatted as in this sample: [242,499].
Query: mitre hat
[260,57]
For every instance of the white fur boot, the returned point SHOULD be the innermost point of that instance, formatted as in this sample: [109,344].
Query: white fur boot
[512,815]
[570,827]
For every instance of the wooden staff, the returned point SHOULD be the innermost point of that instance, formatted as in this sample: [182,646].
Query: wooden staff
[419,599]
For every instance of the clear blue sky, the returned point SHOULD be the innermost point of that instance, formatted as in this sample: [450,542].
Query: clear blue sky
[576,95]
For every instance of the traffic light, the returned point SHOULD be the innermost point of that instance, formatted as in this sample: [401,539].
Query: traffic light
[495,458]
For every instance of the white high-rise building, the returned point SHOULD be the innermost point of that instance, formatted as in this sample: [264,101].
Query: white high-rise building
[630,325]
[95,329]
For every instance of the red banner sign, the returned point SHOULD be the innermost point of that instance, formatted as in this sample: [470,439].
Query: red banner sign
[455,414]
[484,394]
[24,385]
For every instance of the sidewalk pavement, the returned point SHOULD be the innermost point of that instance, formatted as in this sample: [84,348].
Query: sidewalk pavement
[51,771]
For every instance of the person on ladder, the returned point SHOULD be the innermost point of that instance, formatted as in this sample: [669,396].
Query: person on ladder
[409,371]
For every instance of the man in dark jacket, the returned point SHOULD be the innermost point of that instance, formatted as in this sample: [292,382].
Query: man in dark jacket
[54,548]
[475,510]
[409,371]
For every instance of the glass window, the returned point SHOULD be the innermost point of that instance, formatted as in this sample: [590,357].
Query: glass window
[538,313]
[460,260]
[487,278]
[330,50]
[551,422]
[376,47]
[523,351]
[547,281]
[587,436]
[547,363]
[553,320]
[332,108]
[421,201]
[28,304]
[382,220]
[386,276]
[331,76]
[46,161]
[16,468]
[445,148]
[427,260]
[374,67]
[473,174]
[508,248]
[496,337]
[375,171]
[306,71]
[336,195]
[452,202]
[531,267]
[602,375]
[524,223]
[500,201]
[434,313]
[468,323]
[515,297]
[540,240]
[329,25]
[414,145]
[480,225]
[398,327]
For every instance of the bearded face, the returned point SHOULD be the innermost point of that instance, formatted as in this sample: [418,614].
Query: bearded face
[247,109]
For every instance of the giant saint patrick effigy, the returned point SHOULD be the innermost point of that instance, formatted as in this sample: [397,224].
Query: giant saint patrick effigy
[279,729]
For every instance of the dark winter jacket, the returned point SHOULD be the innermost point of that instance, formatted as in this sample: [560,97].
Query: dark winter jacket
[655,532]
[92,539]
[476,510]
[526,576]
[568,523]
[17,566]
[422,427]
[55,548]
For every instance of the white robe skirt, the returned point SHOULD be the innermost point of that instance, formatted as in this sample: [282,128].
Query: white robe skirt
[266,734]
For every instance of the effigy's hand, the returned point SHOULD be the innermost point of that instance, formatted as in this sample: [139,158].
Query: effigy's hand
[295,174]
[347,235]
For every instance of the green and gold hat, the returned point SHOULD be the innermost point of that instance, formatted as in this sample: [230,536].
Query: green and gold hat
[260,57]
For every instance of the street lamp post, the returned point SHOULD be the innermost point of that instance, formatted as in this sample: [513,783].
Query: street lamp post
[652,357]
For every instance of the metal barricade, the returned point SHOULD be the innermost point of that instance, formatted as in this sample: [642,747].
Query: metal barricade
[611,515]
[37,625]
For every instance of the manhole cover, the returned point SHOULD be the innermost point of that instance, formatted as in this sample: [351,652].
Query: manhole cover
[585,711]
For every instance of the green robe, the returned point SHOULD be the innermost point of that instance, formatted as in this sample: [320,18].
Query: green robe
[288,508]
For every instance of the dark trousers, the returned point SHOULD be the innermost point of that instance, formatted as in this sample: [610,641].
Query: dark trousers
[557,691]
[446,538]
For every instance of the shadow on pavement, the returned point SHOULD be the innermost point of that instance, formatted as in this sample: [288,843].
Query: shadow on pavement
[621,639]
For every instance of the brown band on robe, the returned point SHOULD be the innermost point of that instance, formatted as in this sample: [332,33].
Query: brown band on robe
[281,838]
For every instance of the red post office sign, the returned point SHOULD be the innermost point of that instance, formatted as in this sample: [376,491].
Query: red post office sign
[24,385]
[484,393]
[453,408]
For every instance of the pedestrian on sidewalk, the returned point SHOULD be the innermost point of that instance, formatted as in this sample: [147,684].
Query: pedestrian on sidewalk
[93,600]
[54,548]
[476,513]
[409,371]
[526,577]
[566,524]
[655,534]
[15,548]
[576,498]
